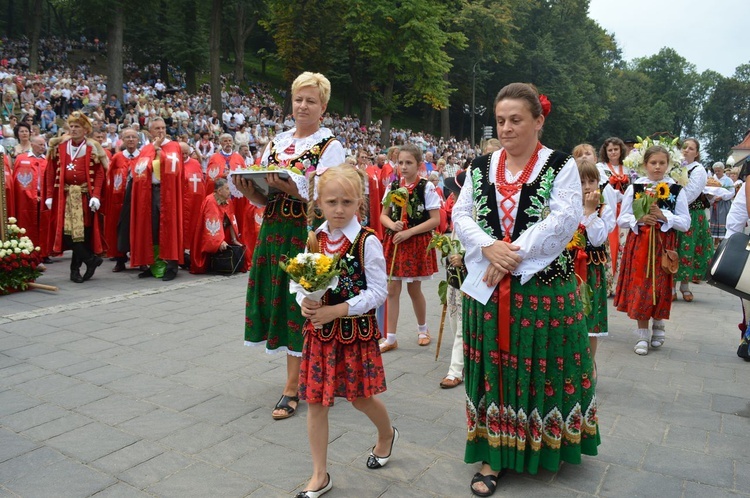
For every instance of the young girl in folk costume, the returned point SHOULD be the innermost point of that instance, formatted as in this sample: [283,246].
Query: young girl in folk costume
[597,222]
[694,246]
[641,294]
[405,244]
[340,356]
[612,171]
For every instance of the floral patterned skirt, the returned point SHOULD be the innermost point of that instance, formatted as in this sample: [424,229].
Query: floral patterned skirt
[271,312]
[695,247]
[635,290]
[534,406]
[597,320]
[413,260]
[331,369]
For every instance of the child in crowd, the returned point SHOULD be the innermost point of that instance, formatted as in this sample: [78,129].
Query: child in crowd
[598,221]
[644,288]
[455,374]
[340,356]
[406,239]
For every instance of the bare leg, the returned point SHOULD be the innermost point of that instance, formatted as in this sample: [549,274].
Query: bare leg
[378,415]
[292,381]
[418,301]
[317,433]
[394,294]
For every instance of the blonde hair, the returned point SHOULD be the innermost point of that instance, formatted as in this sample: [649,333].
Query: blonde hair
[316,80]
[579,149]
[352,181]
[492,142]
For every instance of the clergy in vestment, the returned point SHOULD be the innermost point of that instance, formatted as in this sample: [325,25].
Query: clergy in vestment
[217,228]
[194,192]
[117,177]
[29,194]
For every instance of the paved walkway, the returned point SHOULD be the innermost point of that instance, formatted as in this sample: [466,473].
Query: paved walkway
[122,387]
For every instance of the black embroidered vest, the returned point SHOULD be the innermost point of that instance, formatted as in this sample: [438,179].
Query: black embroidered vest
[597,255]
[533,206]
[670,203]
[701,202]
[352,281]
[279,201]
[418,217]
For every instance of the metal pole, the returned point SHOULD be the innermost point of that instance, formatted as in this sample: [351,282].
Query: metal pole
[473,100]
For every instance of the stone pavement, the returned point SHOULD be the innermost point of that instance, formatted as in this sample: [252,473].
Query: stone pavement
[123,387]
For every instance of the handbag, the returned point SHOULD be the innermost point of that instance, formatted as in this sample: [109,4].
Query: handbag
[229,261]
[670,261]
[729,269]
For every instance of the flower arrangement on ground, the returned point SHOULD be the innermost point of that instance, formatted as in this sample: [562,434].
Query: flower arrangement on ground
[19,259]
[677,170]
[312,274]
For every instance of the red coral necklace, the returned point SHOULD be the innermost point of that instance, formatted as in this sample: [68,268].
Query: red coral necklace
[508,190]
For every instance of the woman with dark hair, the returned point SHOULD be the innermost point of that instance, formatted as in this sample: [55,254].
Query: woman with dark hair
[528,371]
[694,247]
[23,135]
[612,171]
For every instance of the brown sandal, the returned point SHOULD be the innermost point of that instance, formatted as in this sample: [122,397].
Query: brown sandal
[687,296]
[424,341]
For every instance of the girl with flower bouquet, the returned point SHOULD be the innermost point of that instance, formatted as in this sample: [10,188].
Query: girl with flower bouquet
[597,222]
[653,208]
[614,172]
[411,210]
[340,355]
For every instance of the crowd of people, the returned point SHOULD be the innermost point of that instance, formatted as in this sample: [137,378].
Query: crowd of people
[153,182]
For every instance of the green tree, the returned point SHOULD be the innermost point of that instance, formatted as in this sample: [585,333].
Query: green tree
[726,114]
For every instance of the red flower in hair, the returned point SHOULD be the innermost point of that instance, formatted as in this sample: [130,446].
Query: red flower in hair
[546,105]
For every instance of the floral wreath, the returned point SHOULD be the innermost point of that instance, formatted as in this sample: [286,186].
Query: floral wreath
[676,169]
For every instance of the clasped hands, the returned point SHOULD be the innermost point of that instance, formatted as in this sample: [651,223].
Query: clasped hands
[503,258]
[319,315]
[402,234]
[653,217]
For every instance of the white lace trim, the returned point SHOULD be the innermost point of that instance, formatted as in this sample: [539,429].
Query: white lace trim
[283,140]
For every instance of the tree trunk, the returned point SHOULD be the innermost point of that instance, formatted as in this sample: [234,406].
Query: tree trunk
[239,44]
[385,130]
[9,24]
[214,48]
[35,30]
[114,50]
[191,81]
[445,122]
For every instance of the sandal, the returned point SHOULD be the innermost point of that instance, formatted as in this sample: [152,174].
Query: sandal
[687,296]
[641,348]
[283,404]
[424,341]
[674,295]
[658,335]
[488,480]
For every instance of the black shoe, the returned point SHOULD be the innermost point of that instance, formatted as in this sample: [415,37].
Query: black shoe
[47,261]
[146,273]
[119,266]
[76,277]
[91,265]
[743,352]
[169,274]
[186,264]
[376,462]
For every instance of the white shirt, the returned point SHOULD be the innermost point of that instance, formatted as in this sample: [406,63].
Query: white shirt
[697,177]
[431,197]
[679,220]
[543,241]
[737,217]
[598,227]
[374,262]
[332,156]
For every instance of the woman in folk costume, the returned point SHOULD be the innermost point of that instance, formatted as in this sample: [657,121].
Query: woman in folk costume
[530,399]
[614,173]
[694,247]
[273,317]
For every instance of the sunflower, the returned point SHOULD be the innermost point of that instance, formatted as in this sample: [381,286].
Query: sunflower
[577,242]
[662,190]
[638,195]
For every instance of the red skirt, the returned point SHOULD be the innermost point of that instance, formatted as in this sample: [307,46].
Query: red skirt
[635,290]
[331,369]
[413,260]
